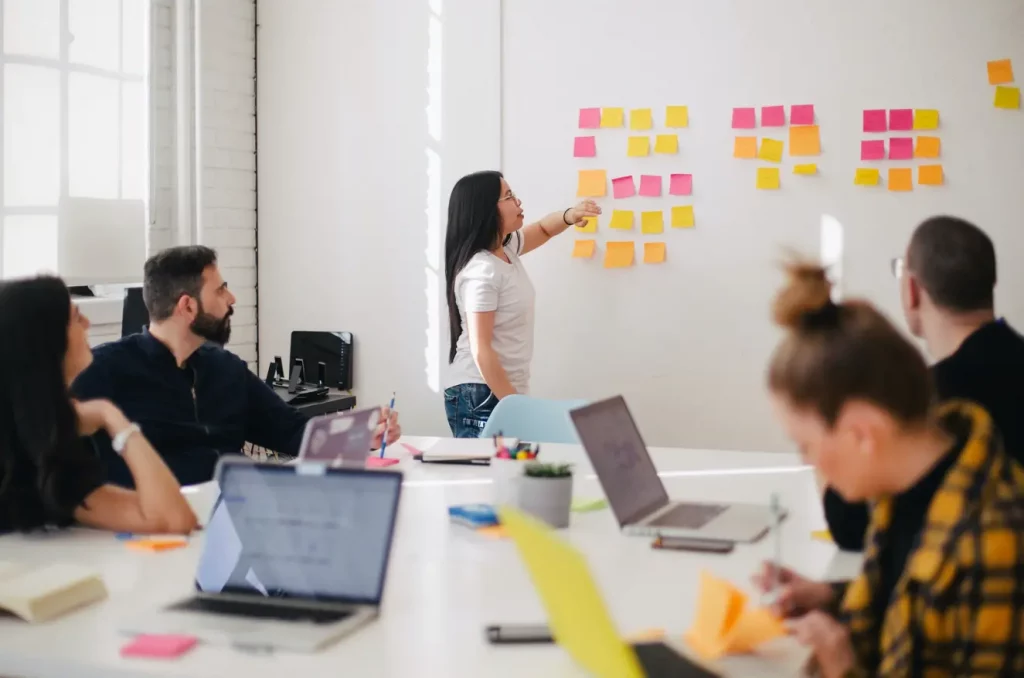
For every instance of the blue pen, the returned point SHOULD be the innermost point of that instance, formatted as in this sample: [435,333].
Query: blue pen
[384,443]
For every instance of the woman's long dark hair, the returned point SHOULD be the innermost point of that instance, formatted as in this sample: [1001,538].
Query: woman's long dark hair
[473,226]
[38,424]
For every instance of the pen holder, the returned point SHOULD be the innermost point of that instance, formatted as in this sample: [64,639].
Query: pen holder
[506,474]
[547,496]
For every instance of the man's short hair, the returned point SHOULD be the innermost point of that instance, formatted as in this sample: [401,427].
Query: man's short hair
[955,262]
[171,274]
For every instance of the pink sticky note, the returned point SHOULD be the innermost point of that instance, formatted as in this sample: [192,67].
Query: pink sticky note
[744,118]
[162,646]
[872,150]
[650,185]
[623,187]
[585,147]
[590,118]
[901,119]
[681,184]
[380,462]
[414,451]
[901,148]
[874,120]
[801,114]
[773,116]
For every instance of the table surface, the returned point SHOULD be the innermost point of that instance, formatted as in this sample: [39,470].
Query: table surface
[445,583]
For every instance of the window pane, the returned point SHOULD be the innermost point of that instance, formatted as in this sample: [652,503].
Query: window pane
[95,33]
[32,27]
[30,245]
[93,139]
[31,136]
[134,143]
[134,36]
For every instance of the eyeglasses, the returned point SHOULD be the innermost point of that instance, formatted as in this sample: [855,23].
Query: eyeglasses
[510,196]
[897,268]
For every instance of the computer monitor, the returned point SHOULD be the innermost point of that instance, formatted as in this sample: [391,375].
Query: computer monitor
[134,316]
[334,349]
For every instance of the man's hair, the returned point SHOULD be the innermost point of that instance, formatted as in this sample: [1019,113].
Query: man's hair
[171,274]
[955,263]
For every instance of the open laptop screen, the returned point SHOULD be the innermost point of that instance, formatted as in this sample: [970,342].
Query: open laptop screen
[300,531]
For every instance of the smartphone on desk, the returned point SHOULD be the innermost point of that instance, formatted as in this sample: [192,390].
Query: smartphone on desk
[693,544]
[505,634]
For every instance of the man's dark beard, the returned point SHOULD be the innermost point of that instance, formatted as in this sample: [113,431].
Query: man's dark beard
[212,328]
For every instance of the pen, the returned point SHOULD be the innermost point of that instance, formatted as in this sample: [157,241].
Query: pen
[387,424]
[777,514]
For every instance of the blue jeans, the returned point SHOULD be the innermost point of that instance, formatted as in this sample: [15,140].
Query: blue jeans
[468,407]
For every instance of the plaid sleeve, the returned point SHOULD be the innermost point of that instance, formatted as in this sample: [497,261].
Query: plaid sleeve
[838,593]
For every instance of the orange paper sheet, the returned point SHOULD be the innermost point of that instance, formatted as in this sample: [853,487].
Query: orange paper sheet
[901,179]
[745,147]
[927,147]
[1000,72]
[804,140]
[592,184]
[618,255]
[654,252]
[584,249]
[724,624]
[930,175]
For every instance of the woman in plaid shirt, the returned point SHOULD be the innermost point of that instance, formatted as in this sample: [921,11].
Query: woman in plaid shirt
[942,588]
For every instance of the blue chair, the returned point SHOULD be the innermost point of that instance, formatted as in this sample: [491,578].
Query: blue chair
[533,420]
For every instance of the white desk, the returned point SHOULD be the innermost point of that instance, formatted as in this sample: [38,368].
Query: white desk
[445,583]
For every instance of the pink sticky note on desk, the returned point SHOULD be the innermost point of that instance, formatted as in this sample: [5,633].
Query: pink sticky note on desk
[773,116]
[681,184]
[414,451]
[901,148]
[590,118]
[801,114]
[874,120]
[650,185]
[743,118]
[623,187]
[901,119]
[159,646]
[872,150]
[585,147]
[380,462]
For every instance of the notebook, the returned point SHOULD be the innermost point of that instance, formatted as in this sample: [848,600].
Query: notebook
[38,594]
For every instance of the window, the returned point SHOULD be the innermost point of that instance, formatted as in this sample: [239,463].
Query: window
[74,91]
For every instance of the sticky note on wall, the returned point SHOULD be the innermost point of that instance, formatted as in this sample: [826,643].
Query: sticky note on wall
[866,176]
[901,119]
[771,150]
[872,150]
[640,118]
[682,216]
[805,170]
[767,178]
[654,252]
[901,148]
[773,116]
[1007,97]
[584,249]
[590,118]
[589,225]
[638,147]
[1000,72]
[926,118]
[677,116]
[744,118]
[612,117]
[874,120]
[901,179]
[804,141]
[623,187]
[680,184]
[744,147]
[930,175]
[592,184]
[801,114]
[666,143]
[621,220]
[927,147]
[650,185]
[652,222]
[618,254]
[584,147]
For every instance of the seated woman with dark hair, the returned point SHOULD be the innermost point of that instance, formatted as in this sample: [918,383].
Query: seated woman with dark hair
[49,474]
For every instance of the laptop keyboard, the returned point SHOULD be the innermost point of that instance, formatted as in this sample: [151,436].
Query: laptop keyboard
[661,661]
[688,516]
[259,610]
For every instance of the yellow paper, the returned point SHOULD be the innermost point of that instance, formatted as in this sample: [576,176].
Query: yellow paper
[584,249]
[577,615]
[622,220]
[725,625]
[589,225]
[654,252]
[639,147]
[927,147]
[612,117]
[618,254]
[744,147]
[866,176]
[592,184]
[677,116]
[652,222]
[822,535]
[640,118]
[753,627]
[930,175]
[666,143]
[804,140]
[768,178]
[926,118]
[1000,72]
[1007,97]
[806,170]
[771,150]
[901,179]
[682,216]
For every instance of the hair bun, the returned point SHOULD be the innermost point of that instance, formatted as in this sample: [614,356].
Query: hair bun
[806,294]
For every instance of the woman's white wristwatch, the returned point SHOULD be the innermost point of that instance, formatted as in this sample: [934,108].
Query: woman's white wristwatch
[121,439]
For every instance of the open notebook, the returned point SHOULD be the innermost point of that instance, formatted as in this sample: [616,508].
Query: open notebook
[38,594]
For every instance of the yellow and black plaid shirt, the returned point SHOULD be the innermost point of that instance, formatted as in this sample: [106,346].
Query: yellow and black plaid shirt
[958,607]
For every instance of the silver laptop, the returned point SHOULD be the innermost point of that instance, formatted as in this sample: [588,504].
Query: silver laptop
[294,557]
[636,493]
[340,438]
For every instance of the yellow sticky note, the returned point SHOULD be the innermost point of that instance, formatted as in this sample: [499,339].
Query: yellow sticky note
[804,140]
[744,147]
[622,220]
[654,252]
[866,176]
[584,249]
[927,147]
[901,179]
[771,150]
[929,175]
[1000,72]
[652,222]
[682,216]
[666,143]
[677,116]
[618,254]
[768,178]
[640,118]
[592,184]
[589,225]
[612,117]
[926,118]
[806,170]
[822,535]
[1007,97]
[639,147]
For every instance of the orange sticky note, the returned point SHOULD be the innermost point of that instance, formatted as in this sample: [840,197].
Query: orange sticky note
[654,252]
[652,222]
[612,117]
[725,625]
[589,225]
[592,184]
[744,147]
[156,544]
[682,216]
[767,178]
[901,179]
[494,531]
[929,175]
[927,147]
[618,255]
[752,628]
[804,140]
[1000,72]
[584,249]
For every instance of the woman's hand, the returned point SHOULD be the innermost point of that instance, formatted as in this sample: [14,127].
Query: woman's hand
[389,424]
[582,210]
[830,642]
[94,415]
[797,595]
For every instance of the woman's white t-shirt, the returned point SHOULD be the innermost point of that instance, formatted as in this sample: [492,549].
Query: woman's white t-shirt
[488,283]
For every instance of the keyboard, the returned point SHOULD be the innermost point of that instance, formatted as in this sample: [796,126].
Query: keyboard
[261,610]
[688,516]
[661,661]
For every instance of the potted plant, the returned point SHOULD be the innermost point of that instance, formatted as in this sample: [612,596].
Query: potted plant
[545,491]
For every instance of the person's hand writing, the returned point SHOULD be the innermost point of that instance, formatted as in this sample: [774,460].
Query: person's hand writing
[94,415]
[830,642]
[797,595]
[388,423]
[584,209]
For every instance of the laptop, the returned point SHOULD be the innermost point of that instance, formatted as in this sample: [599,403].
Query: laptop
[340,438]
[577,615]
[294,557]
[636,494]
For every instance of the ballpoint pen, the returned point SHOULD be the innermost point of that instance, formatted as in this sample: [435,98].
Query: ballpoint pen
[387,424]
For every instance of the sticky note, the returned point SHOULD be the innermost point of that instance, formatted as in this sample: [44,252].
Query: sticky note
[652,222]
[584,147]
[677,116]
[771,150]
[612,117]
[380,462]
[654,252]
[901,148]
[804,140]
[805,170]
[872,150]
[929,175]
[773,116]
[680,184]
[623,187]
[618,254]
[592,184]
[725,624]
[866,176]
[1007,97]
[584,249]
[650,185]
[157,544]
[744,118]
[901,179]
[1000,72]
[927,147]
[640,118]
[874,120]
[493,531]
[589,225]
[159,646]
[767,178]
[822,535]
[666,143]
[622,220]
[645,636]
[901,119]
[926,118]
[682,216]
[581,505]
[638,147]
[801,114]
[744,147]
[590,118]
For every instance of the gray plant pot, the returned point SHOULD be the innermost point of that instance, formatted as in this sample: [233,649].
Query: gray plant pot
[548,499]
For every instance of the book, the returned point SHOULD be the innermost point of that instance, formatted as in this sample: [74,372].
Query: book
[38,594]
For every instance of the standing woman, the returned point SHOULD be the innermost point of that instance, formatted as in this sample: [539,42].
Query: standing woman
[490,297]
